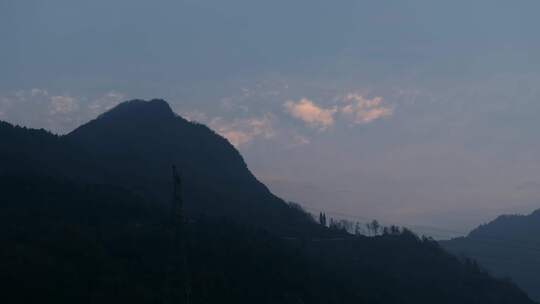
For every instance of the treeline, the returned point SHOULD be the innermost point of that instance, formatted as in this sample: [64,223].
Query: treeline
[372,228]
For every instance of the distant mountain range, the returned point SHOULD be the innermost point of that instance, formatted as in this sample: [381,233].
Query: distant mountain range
[507,247]
[86,218]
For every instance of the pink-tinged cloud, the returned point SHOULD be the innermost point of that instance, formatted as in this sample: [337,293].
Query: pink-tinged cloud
[363,110]
[310,113]
[243,131]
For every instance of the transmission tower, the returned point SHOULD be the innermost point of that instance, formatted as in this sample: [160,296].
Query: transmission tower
[178,272]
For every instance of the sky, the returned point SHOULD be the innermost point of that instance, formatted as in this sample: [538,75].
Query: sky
[420,113]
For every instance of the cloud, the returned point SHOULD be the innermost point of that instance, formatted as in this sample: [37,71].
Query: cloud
[310,113]
[354,107]
[301,140]
[38,92]
[363,110]
[106,102]
[237,137]
[298,141]
[57,112]
[63,105]
[195,116]
[242,131]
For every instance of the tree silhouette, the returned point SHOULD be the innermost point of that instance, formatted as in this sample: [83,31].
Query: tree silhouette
[357,228]
[322,219]
[373,227]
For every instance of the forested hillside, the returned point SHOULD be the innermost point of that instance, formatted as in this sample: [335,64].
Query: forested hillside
[66,242]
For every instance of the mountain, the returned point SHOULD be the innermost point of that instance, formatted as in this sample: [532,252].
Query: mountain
[508,246]
[134,146]
[85,218]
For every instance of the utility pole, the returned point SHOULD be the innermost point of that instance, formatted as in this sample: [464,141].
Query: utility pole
[178,202]
[178,267]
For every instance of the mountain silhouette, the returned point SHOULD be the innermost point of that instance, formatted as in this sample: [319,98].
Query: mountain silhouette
[86,218]
[508,247]
[134,146]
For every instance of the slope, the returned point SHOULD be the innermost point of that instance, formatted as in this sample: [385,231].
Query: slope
[509,246]
[66,242]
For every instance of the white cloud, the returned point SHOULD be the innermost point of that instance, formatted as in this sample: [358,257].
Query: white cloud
[38,92]
[106,102]
[243,131]
[57,112]
[63,105]
[310,113]
[364,110]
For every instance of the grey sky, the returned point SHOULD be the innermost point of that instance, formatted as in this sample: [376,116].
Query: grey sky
[413,112]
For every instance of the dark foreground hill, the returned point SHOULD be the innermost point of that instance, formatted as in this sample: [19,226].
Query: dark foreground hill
[509,247]
[85,218]
[66,242]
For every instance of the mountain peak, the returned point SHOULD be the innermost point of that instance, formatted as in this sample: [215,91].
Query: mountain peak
[155,109]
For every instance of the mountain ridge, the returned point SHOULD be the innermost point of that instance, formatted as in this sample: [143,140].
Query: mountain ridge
[134,146]
[508,247]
